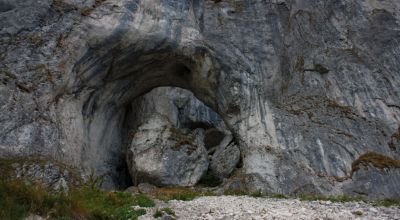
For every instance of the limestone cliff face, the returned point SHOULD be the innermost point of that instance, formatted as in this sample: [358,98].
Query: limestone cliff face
[305,86]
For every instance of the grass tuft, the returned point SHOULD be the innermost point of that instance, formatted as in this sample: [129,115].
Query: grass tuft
[144,201]
[278,196]
[257,194]
[178,193]
[340,198]
[168,210]
[160,213]
[388,202]
[235,193]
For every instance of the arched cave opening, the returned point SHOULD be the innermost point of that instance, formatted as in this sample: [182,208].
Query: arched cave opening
[160,108]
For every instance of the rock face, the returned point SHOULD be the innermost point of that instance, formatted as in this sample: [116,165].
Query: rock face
[164,155]
[54,175]
[171,130]
[305,87]
[225,158]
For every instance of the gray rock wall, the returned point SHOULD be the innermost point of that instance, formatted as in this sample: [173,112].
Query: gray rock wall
[305,87]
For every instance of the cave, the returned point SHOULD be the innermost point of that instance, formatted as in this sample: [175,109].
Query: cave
[304,96]
[106,102]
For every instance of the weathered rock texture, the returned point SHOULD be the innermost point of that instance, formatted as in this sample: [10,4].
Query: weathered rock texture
[225,158]
[305,86]
[164,155]
[170,132]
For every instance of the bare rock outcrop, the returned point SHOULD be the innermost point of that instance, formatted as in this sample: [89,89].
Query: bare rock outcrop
[225,158]
[163,155]
[305,87]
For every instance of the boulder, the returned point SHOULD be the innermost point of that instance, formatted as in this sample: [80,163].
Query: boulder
[162,154]
[132,190]
[225,158]
[146,188]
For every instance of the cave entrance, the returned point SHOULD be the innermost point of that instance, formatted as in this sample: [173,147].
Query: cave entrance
[118,90]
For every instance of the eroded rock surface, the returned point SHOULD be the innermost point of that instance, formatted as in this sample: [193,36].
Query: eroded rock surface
[305,87]
[183,113]
[165,156]
[225,158]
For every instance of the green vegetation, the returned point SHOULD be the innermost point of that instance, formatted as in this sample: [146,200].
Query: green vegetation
[178,193]
[257,194]
[169,211]
[159,213]
[278,196]
[144,201]
[341,198]
[387,202]
[8,166]
[235,193]
[19,199]
[344,198]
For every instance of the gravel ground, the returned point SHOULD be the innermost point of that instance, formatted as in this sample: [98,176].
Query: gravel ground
[245,207]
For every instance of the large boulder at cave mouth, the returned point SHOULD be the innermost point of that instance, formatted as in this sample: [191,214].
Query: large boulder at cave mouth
[164,155]
[225,158]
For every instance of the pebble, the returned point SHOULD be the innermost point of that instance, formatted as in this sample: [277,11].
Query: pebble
[245,207]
